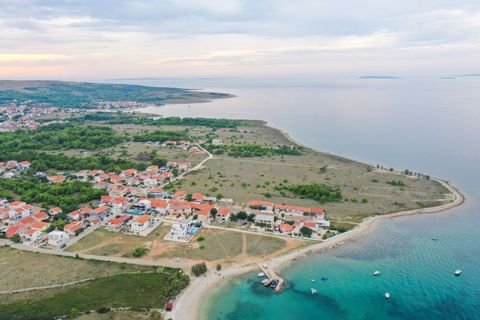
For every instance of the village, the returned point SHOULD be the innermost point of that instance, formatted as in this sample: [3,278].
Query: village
[137,202]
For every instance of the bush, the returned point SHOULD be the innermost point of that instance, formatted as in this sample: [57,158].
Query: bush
[139,252]
[306,232]
[103,310]
[199,269]
[199,239]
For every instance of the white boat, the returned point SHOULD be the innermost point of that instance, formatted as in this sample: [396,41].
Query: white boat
[376,273]
[387,295]
[458,272]
[314,291]
[313,280]
[264,281]
[261,274]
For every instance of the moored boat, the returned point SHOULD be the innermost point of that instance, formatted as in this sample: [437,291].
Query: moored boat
[458,272]
[387,295]
[314,291]
[261,274]
[376,273]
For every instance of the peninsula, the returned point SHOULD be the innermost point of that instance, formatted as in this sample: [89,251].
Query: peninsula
[160,199]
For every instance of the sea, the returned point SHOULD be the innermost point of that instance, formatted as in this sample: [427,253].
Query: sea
[429,125]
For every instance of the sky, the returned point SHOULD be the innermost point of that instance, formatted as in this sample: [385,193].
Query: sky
[109,39]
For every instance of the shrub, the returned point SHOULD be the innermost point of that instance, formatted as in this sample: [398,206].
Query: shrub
[139,252]
[199,269]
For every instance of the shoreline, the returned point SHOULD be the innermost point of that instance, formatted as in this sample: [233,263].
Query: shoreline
[189,302]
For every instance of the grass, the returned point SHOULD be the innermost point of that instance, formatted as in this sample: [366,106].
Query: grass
[22,269]
[117,315]
[130,290]
[217,245]
[259,246]
[256,178]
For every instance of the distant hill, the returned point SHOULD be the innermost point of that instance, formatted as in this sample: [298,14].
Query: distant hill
[380,77]
[88,95]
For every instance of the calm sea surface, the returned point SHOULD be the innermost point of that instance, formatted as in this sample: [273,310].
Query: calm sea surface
[427,125]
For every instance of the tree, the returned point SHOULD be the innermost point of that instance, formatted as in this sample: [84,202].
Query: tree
[306,232]
[139,252]
[60,224]
[213,212]
[219,267]
[242,215]
[199,269]
[219,196]
[188,197]
[16,238]
[251,217]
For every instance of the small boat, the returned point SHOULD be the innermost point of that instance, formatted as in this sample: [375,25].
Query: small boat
[264,281]
[376,273]
[324,278]
[312,280]
[261,274]
[314,291]
[274,284]
[387,295]
[458,272]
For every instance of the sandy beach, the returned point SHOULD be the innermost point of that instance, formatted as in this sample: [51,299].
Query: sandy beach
[188,304]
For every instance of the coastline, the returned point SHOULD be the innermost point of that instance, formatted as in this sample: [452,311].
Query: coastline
[189,302]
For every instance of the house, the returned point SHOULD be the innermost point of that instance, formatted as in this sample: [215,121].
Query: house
[201,209]
[179,195]
[15,205]
[4,213]
[101,212]
[92,220]
[58,238]
[101,177]
[286,228]
[39,225]
[140,223]
[56,179]
[24,165]
[152,169]
[74,215]
[179,207]
[13,230]
[223,213]
[217,142]
[119,204]
[184,165]
[160,205]
[29,235]
[73,227]
[12,164]
[322,224]
[198,197]
[54,211]
[261,205]
[41,216]
[101,185]
[117,223]
[83,175]
[311,225]
[128,173]
[266,219]
[287,209]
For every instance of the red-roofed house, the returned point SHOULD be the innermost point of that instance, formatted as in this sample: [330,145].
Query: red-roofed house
[4,213]
[141,223]
[56,179]
[54,211]
[286,228]
[30,235]
[179,195]
[12,230]
[102,211]
[179,207]
[160,205]
[197,197]
[24,165]
[117,223]
[73,227]
[202,209]
[41,216]
[311,225]
[223,213]
[261,205]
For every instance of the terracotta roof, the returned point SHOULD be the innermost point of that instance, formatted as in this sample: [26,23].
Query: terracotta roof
[142,219]
[12,230]
[223,211]
[259,203]
[197,196]
[159,203]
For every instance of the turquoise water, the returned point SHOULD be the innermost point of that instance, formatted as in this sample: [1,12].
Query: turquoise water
[426,125]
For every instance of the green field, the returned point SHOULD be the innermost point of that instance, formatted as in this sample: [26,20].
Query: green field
[147,290]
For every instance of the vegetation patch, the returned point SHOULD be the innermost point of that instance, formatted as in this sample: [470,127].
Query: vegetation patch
[145,290]
[66,195]
[249,150]
[161,136]
[60,137]
[315,191]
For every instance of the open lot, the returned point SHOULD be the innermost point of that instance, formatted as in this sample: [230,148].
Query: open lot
[22,269]
[213,245]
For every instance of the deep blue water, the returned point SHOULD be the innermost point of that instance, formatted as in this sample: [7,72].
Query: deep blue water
[426,125]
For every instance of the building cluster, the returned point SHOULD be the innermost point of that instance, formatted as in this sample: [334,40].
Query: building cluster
[288,219]
[13,117]
[11,168]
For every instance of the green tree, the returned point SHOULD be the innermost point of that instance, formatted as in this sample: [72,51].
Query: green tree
[306,232]
[16,238]
[199,269]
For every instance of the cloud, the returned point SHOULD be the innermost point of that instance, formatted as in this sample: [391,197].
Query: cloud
[131,38]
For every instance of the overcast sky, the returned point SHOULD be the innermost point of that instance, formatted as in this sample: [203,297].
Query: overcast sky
[104,39]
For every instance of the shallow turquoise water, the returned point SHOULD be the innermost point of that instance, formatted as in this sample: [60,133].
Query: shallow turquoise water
[426,125]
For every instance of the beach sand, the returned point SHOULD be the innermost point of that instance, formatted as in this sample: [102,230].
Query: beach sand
[188,304]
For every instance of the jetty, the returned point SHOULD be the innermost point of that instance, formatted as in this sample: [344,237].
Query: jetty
[271,275]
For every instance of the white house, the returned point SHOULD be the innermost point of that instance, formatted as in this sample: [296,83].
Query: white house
[265,219]
[58,238]
[217,142]
[141,223]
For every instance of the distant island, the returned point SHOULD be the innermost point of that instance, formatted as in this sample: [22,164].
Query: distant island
[380,77]
[63,94]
